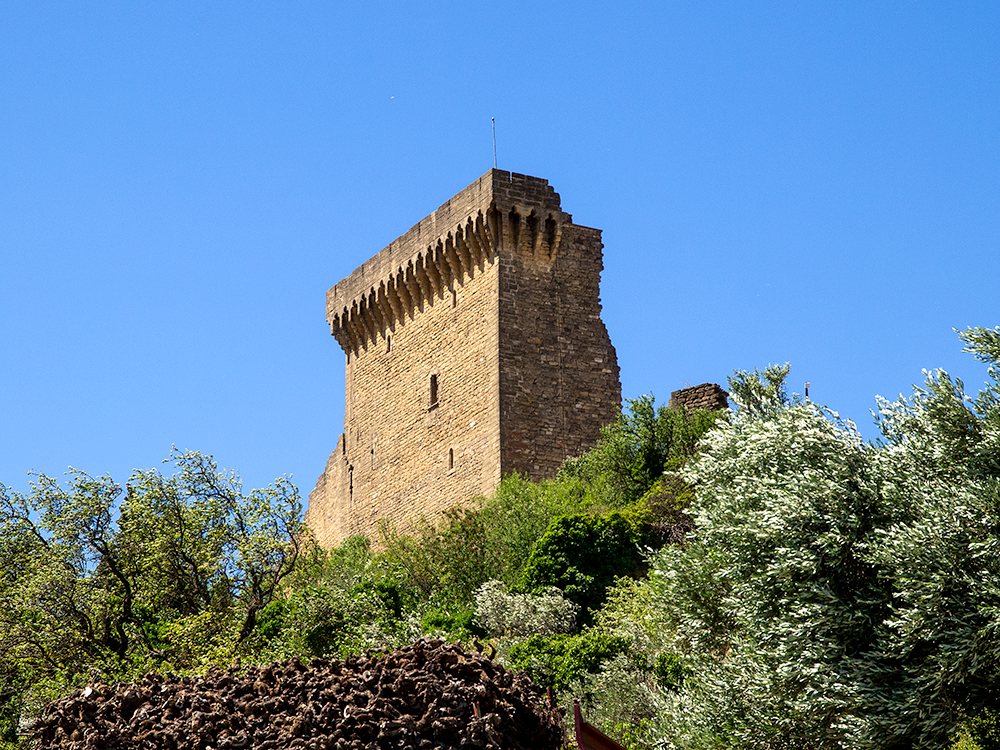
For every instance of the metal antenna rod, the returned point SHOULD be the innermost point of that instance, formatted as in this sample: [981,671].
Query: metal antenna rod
[494,121]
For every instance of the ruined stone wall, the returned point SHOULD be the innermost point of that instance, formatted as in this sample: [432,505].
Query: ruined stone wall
[705,396]
[474,348]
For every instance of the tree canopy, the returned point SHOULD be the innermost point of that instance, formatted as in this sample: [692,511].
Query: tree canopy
[162,572]
[838,593]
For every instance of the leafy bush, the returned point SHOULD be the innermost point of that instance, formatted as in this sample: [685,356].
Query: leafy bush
[449,561]
[271,620]
[492,538]
[457,625]
[583,554]
[665,504]
[319,620]
[348,601]
[669,670]
[980,732]
[10,715]
[505,614]
[520,511]
[635,450]
[557,661]
[622,697]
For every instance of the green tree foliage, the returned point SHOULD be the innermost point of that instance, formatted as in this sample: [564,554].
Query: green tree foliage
[519,513]
[583,554]
[492,538]
[449,561]
[759,394]
[349,600]
[979,732]
[838,594]
[638,447]
[506,614]
[559,660]
[172,570]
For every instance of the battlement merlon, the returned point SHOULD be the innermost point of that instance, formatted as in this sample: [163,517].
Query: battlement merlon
[464,234]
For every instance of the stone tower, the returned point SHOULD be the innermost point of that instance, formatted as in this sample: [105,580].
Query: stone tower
[474,348]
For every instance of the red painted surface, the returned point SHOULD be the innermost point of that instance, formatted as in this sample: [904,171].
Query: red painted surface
[589,737]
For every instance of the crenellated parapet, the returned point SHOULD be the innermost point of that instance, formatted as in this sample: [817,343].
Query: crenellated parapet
[499,213]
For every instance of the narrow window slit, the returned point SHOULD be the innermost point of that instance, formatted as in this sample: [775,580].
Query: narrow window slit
[515,227]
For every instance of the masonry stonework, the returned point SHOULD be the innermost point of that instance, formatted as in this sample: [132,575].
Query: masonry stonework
[709,396]
[474,348]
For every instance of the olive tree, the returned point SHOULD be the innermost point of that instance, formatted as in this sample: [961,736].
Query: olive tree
[838,593]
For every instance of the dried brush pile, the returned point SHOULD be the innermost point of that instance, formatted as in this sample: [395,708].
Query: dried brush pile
[428,695]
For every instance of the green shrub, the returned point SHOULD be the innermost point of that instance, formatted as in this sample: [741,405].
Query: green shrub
[583,554]
[491,539]
[10,715]
[349,600]
[447,562]
[668,669]
[271,620]
[390,594]
[507,614]
[557,661]
[980,732]
[640,735]
[638,447]
[517,515]
[454,625]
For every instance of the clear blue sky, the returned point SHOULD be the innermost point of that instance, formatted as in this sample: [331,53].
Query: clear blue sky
[180,183]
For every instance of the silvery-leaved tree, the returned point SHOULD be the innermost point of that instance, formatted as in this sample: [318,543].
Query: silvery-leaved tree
[838,593]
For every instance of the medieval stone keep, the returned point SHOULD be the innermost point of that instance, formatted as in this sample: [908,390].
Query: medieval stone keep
[474,348]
